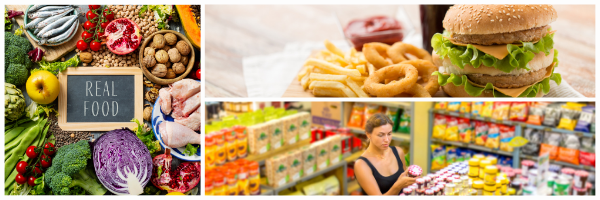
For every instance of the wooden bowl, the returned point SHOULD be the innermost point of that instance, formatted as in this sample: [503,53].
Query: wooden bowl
[163,81]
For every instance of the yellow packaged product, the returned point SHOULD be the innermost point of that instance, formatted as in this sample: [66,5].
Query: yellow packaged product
[243,182]
[478,186]
[209,151]
[488,108]
[453,106]
[241,143]
[332,186]
[452,129]
[220,151]
[501,110]
[464,130]
[219,186]
[439,126]
[491,172]
[230,145]
[481,132]
[498,188]
[232,181]
[507,133]
[482,165]
[441,105]
[474,167]
[476,108]
[254,178]
[493,136]
[489,190]
[465,107]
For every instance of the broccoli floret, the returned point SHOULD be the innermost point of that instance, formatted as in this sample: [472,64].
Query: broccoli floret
[18,41]
[70,168]
[17,55]
[16,74]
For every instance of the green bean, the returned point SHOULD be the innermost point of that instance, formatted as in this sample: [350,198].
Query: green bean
[12,134]
[25,142]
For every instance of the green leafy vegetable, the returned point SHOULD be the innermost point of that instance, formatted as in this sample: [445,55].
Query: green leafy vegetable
[147,137]
[517,58]
[143,10]
[35,111]
[190,150]
[56,67]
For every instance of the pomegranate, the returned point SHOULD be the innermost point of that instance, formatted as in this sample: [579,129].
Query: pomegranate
[123,36]
[182,179]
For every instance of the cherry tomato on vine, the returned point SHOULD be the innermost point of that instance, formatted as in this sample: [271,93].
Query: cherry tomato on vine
[49,147]
[20,179]
[46,161]
[85,35]
[92,7]
[91,15]
[22,167]
[89,26]
[37,170]
[108,14]
[198,74]
[31,181]
[95,46]
[31,152]
[81,45]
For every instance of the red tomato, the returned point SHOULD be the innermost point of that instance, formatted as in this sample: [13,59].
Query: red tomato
[85,35]
[22,167]
[95,46]
[31,152]
[46,161]
[108,14]
[89,26]
[92,7]
[49,147]
[90,15]
[198,74]
[81,45]
[20,179]
[31,181]
[37,170]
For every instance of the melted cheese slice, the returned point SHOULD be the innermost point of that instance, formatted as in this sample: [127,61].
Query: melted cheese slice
[515,92]
[499,50]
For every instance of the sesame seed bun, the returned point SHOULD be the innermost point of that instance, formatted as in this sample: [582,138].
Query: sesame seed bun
[491,19]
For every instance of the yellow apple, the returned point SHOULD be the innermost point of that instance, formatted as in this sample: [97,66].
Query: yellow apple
[42,87]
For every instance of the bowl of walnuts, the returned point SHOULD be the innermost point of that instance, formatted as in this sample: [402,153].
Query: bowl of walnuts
[166,57]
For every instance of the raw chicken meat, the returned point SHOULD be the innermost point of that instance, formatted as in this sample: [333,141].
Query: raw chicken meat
[182,110]
[192,122]
[184,89]
[176,135]
[165,100]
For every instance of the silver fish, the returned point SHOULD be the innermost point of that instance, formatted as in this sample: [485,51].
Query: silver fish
[55,24]
[49,13]
[36,7]
[49,20]
[64,36]
[32,24]
[42,41]
[49,8]
[61,29]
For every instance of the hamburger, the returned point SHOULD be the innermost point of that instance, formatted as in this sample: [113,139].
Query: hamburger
[496,51]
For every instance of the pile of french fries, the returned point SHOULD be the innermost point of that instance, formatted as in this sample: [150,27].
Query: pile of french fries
[333,73]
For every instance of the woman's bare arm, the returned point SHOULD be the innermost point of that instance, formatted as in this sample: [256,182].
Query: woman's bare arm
[367,182]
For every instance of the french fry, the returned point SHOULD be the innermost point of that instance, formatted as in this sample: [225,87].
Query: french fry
[305,81]
[328,77]
[361,69]
[332,67]
[371,69]
[359,79]
[326,92]
[356,88]
[302,73]
[333,49]
[340,60]
[333,85]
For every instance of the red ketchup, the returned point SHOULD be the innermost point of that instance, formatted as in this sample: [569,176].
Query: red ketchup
[382,29]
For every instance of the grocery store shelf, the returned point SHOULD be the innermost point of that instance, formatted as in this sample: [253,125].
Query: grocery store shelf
[306,178]
[266,190]
[472,146]
[285,148]
[395,136]
[582,167]
[353,186]
[514,123]
[354,156]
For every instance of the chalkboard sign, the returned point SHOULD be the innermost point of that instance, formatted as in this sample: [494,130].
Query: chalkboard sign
[99,99]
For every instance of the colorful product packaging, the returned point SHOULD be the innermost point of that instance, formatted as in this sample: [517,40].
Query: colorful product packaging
[277,170]
[536,115]
[518,111]
[290,129]
[506,135]
[404,125]
[335,149]
[568,119]
[441,105]
[451,155]
[477,108]
[551,116]
[370,110]
[309,159]
[296,165]
[357,115]
[322,151]
[452,129]
[488,108]
[275,133]
[568,151]
[493,136]
[305,120]
[481,132]
[550,145]
[438,160]
[465,107]
[534,137]
[587,154]
[258,138]
[453,106]
[464,130]
[439,126]
[585,119]
[501,110]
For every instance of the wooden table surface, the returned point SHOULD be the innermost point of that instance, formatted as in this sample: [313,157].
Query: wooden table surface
[233,32]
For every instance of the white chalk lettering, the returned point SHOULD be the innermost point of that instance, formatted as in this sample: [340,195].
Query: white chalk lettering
[88,87]
[115,105]
[113,89]
[107,108]
[97,88]
[85,108]
[106,89]
[97,109]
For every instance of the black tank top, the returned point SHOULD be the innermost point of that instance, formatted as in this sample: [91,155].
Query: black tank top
[385,183]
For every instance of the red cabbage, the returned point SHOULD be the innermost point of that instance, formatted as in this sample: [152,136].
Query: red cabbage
[117,154]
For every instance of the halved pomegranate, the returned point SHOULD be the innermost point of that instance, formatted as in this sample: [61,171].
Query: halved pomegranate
[182,179]
[123,36]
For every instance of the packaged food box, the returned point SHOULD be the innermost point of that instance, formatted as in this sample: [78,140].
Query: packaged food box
[276,133]
[335,149]
[277,168]
[309,159]
[290,129]
[305,121]
[295,169]
[258,138]
[322,152]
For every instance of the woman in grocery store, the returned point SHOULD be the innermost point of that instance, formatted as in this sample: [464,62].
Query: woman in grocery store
[381,169]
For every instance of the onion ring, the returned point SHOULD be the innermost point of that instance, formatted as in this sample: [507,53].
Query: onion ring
[373,84]
[376,54]
[417,90]
[426,68]
[397,52]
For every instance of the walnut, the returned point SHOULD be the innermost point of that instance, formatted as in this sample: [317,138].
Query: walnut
[168,64]
[148,113]
[183,48]
[158,41]
[85,57]
[149,51]
[149,61]
[162,56]
[171,38]
[170,74]
[166,48]
[160,70]
[174,55]
[178,68]
[184,60]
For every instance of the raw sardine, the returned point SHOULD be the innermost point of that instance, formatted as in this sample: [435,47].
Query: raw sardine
[49,13]
[32,24]
[49,20]
[61,29]
[36,7]
[64,36]
[49,8]
[55,24]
